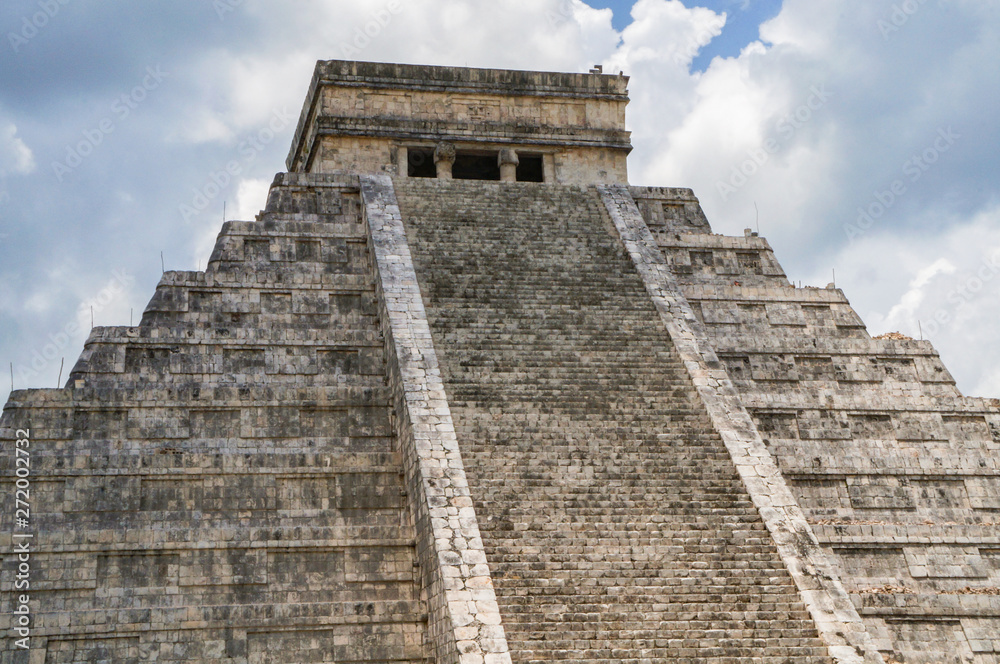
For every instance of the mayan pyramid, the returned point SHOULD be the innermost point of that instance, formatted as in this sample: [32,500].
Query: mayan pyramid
[462,395]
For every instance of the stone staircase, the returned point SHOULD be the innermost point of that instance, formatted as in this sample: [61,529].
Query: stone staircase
[614,521]
[898,473]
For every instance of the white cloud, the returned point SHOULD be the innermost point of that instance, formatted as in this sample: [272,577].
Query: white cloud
[239,91]
[944,287]
[885,95]
[244,89]
[807,123]
[822,117]
[251,196]
[16,158]
[656,51]
[878,105]
[903,313]
[989,383]
[522,34]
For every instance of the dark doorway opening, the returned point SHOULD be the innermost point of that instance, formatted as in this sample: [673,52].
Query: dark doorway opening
[420,163]
[476,166]
[479,165]
[530,168]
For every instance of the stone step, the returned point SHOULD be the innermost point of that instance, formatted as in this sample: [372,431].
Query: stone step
[222,481]
[610,510]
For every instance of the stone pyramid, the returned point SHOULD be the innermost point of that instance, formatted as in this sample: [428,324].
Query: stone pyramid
[462,395]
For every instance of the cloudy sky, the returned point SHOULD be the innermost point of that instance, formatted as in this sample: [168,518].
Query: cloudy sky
[865,132]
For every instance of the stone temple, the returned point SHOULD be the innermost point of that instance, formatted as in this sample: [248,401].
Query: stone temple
[462,395]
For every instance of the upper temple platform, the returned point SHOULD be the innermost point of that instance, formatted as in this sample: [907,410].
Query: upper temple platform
[485,124]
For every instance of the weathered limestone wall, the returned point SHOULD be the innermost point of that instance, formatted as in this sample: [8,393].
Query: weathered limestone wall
[222,482]
[591,166]
[358,154]
[460,101]
[896,472]
[358,115]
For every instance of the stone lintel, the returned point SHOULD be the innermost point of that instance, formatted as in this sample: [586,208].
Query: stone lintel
[431,131]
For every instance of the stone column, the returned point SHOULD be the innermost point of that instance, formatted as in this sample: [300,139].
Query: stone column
[444,159]
[508,164]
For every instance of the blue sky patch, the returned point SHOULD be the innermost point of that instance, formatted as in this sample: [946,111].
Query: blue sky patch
[743,19]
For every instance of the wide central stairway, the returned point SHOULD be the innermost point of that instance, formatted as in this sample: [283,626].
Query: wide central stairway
[614,521]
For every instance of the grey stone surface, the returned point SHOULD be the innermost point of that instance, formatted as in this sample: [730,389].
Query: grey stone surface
[615,524]
[573,424]
[366,117]
[221,482]
[465,617]
[839,623]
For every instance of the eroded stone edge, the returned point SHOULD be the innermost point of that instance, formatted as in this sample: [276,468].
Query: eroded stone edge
[840,626]
[464,620]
